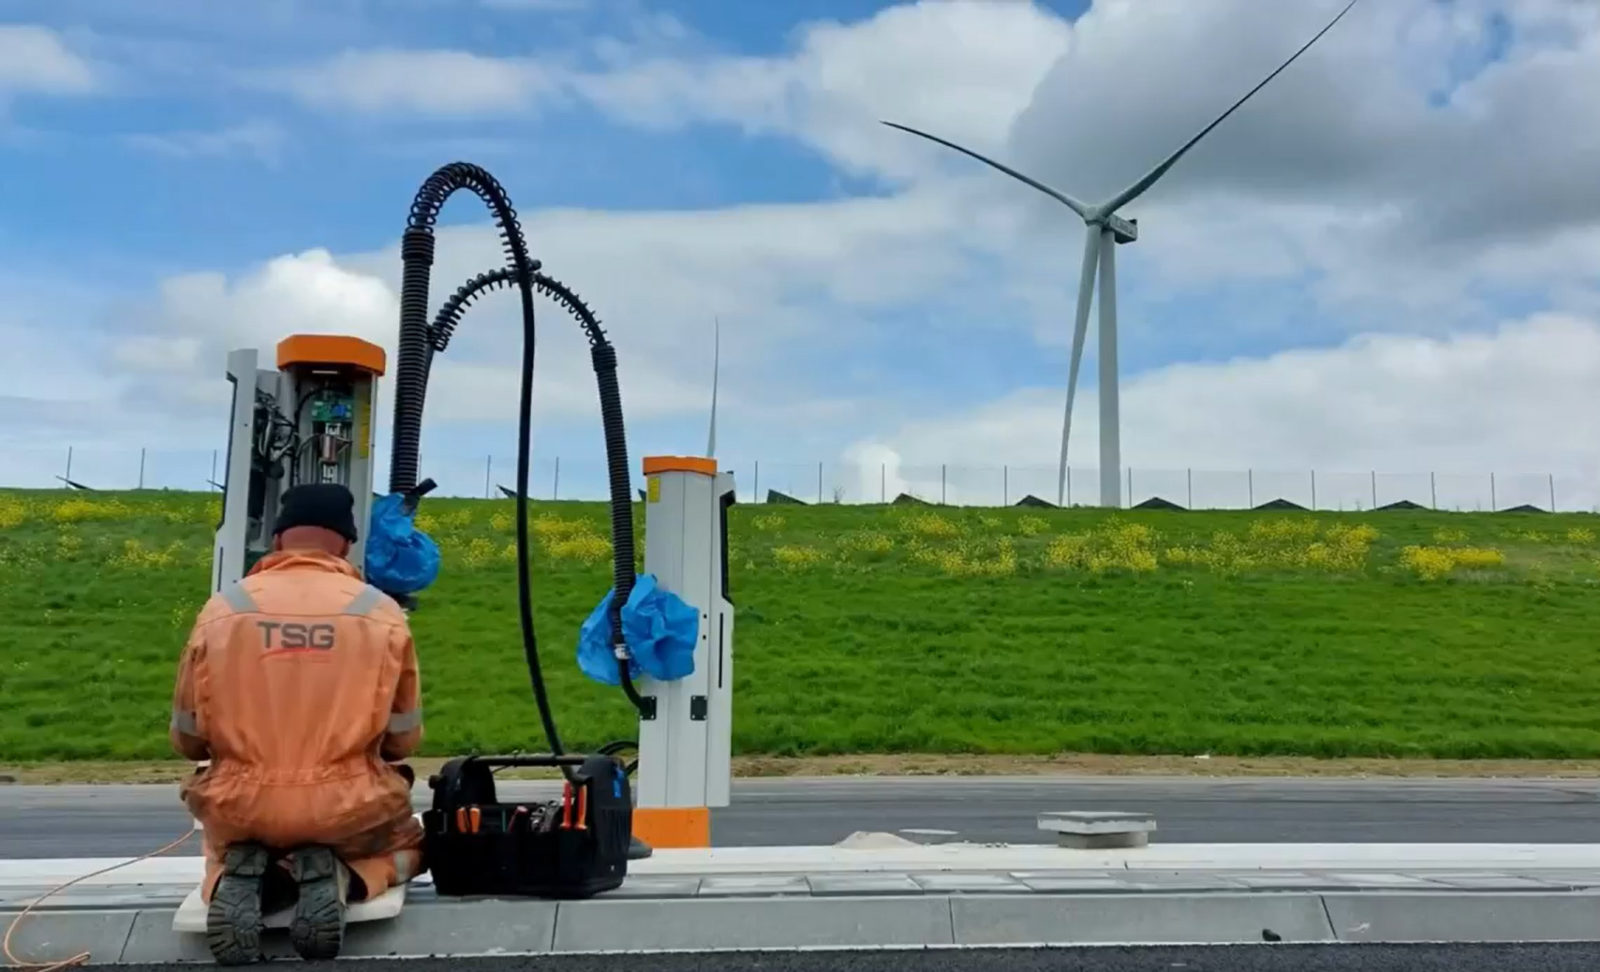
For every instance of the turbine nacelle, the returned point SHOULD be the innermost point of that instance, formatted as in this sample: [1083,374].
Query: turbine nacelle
[1122,230]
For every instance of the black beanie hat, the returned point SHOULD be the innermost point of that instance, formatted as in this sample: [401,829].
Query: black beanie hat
[326,505]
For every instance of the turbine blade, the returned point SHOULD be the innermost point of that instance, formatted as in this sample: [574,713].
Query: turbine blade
[1138,188]
[1082,209]
[716,369]
[1080,331]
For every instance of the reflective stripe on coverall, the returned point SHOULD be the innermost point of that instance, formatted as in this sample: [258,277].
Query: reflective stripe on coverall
[297,683]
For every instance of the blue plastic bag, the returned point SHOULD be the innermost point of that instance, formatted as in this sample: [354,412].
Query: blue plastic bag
[659,628]
[400,558]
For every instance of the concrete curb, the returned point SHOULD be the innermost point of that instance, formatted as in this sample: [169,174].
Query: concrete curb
[500,927]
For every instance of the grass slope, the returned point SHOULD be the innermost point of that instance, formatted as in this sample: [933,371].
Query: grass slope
[872,629]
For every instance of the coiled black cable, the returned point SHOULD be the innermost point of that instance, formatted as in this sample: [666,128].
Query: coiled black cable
[418,343]
[604,357]
[416,255]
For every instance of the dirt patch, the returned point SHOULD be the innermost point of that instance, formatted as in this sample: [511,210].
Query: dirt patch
[1066,764]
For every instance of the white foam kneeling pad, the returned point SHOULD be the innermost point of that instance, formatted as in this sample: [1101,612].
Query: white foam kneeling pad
[190,918]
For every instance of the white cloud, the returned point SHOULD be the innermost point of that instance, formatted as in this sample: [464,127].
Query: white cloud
[1357,122]
[964,66]
[177,361]
[436,82]
[786,281]
[262,140]
[34,59]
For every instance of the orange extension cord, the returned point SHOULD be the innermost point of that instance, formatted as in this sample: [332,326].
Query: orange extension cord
[81,957]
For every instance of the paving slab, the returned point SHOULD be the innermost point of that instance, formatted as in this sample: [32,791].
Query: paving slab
[734,923]
[752,885]
[1379,879]
[830,885]
[1572,879]
[1067,881]
[441,928]
[46,937]
[656,887]
[1529,916]
[1145,918]
[1286,880]
[1491,881]
[1148,879]
[972,882]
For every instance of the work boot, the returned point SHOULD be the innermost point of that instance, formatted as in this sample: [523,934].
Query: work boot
[317,929]
[233,919]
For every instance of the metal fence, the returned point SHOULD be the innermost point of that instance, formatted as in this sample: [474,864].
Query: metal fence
[113,468]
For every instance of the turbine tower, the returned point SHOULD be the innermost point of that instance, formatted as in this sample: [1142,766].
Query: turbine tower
[716,370]
[1105,229]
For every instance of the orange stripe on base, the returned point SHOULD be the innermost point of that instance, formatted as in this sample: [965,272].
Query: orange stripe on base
[694,464]
[673,826]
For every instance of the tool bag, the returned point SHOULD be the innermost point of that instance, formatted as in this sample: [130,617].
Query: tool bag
[573,847]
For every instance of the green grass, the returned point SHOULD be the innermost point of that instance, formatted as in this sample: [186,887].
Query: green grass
[871,629]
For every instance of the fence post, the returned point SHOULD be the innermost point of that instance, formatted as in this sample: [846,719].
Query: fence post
[488,475]
[819,484]
[1374,489]
[555,490]
[1494,504]
[883,482]
[1552,491]
[1189,475]
[141,467]
[1005,485]
[1313,490]
[941,484]
[1250,488]
[1433,489]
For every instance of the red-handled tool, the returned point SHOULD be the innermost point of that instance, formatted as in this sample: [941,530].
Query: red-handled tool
[566,806]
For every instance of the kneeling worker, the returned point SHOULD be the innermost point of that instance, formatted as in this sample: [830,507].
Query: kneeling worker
[299,684]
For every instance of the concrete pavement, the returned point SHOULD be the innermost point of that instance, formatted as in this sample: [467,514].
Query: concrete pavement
[897,895]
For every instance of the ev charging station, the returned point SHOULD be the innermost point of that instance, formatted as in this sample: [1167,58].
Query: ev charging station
[307,421]
[685,745]
[310,420]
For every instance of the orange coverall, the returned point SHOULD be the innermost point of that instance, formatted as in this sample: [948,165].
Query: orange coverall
[298,683]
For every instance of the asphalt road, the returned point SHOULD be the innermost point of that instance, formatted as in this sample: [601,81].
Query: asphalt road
[1581,957]
[109,821]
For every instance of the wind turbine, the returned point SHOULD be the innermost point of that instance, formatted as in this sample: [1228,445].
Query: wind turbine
[1105,229]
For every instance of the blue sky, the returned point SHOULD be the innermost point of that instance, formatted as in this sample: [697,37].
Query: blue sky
[86,163]
[194,175]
